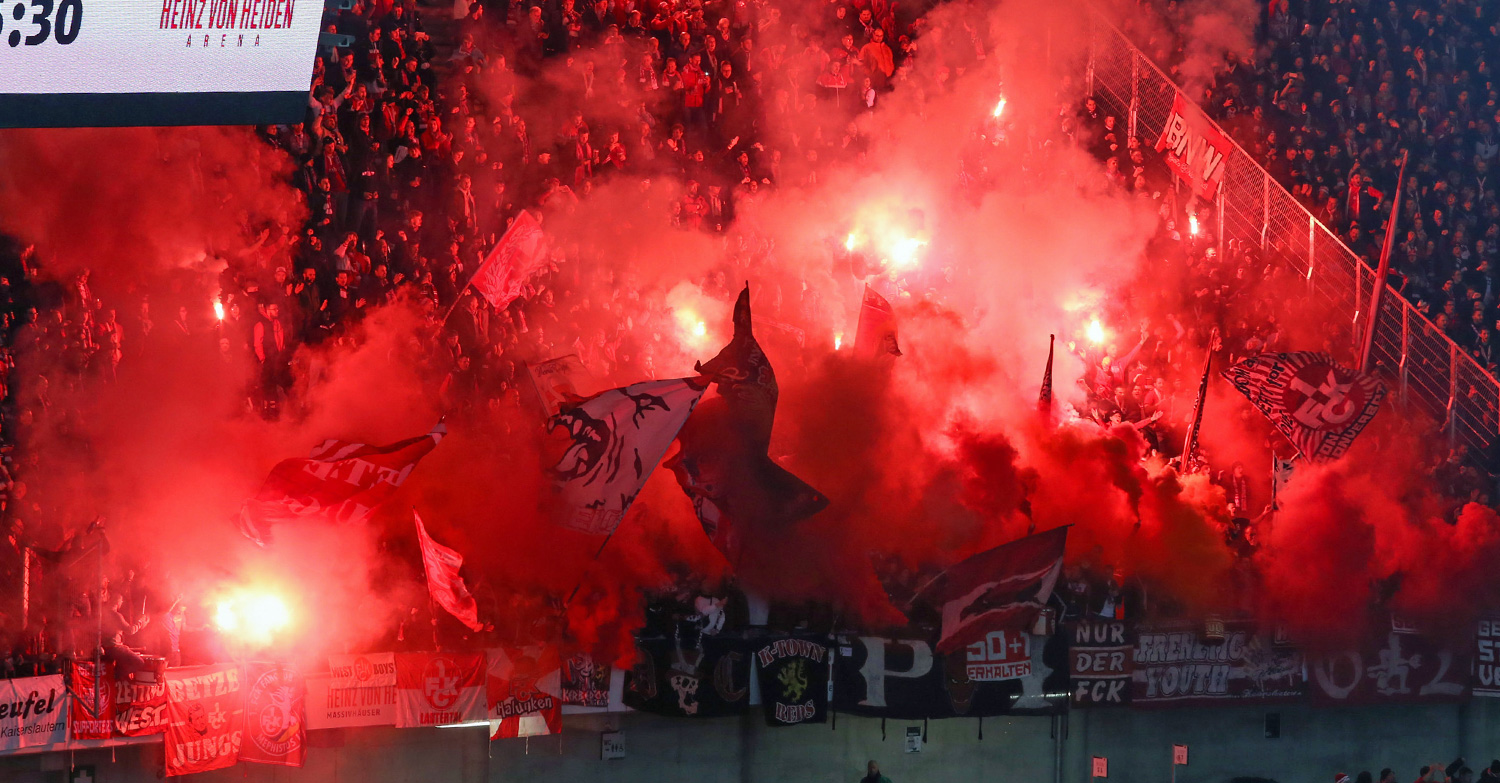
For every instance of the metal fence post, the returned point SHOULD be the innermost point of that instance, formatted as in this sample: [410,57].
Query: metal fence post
[1093,47]
[1265,207]
[1135,89]
[1312,255]
[1405,348]
[1452,423]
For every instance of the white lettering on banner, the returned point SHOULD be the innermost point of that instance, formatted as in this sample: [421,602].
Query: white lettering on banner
[874,671]
[33,712]
[1000,655]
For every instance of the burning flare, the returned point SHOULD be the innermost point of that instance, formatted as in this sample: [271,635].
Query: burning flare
[904,252]
[1095,331]
[999,109]
[218,309]
[1193,225]
[838,341]
[252,618]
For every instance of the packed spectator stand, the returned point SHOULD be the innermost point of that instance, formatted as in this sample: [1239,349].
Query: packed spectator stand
[412,164]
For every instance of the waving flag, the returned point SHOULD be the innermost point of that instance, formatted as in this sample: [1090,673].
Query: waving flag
[616,438]
[435,689]
[1318,405]
[722,463]
[444,584]
[997,591]
[876,334]
[340,482]
[519,254]
[1044,399]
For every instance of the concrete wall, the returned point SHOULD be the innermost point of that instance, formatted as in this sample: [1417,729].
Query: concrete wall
[1224,743]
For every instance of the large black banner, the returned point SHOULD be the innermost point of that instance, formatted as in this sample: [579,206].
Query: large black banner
[901,677]
[1183,664]
[705,679]
[1101,660]
[794,680]
[1486,662]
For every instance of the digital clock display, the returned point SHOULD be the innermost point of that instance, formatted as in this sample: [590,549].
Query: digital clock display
[155,62]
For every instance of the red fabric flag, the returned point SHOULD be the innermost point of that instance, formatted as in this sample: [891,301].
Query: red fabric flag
[275,716]
[339,482]
[206,718]
[92,716]
[519,254]
[524,692]
[1002,589]
[433,689]
[1319,406]
[1194,148]
[876,335]
[444,584]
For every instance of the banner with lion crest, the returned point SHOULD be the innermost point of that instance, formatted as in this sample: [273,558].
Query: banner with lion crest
[794,674]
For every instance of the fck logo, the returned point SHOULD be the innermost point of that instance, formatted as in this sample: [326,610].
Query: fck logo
[439,685]
[1325,405]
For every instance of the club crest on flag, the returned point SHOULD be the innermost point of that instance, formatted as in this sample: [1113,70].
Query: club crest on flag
[1318,405]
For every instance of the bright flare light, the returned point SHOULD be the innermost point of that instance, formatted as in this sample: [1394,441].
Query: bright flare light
[252,618]
[1193,225]
[904,252]
[999,109]
[218,310]
[1095,331]
[700,329]
[838,341]
[849,242]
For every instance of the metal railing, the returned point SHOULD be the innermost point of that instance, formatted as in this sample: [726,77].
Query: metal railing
[1425,369]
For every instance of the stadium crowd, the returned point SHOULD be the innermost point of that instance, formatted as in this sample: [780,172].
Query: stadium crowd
[423,141]
[1333,94]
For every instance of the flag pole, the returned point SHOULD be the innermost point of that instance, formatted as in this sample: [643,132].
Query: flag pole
[1383,270]
[1044,399]
[1190,445]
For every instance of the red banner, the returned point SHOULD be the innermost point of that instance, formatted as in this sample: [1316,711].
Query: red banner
[1194,148]
[433,689]
[519,254]
[93,710]
[339,482]
[275,716]
[1396,668]
[524,692]
[140,708]
[206,718]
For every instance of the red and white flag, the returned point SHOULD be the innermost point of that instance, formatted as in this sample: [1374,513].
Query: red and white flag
[339,482]
[516,257]
[205,718]
[1319,406]
[275,716]
[1194,148]
[616,438]
[1002,589]
[444,584]
[434,689]
[524,692]
[876,335]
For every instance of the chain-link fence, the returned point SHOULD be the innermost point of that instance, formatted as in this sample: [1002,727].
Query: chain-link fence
[1425,368]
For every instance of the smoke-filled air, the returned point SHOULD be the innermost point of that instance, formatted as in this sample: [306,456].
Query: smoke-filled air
[978,189]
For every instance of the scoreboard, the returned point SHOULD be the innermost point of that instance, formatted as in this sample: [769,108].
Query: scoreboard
[66,63]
